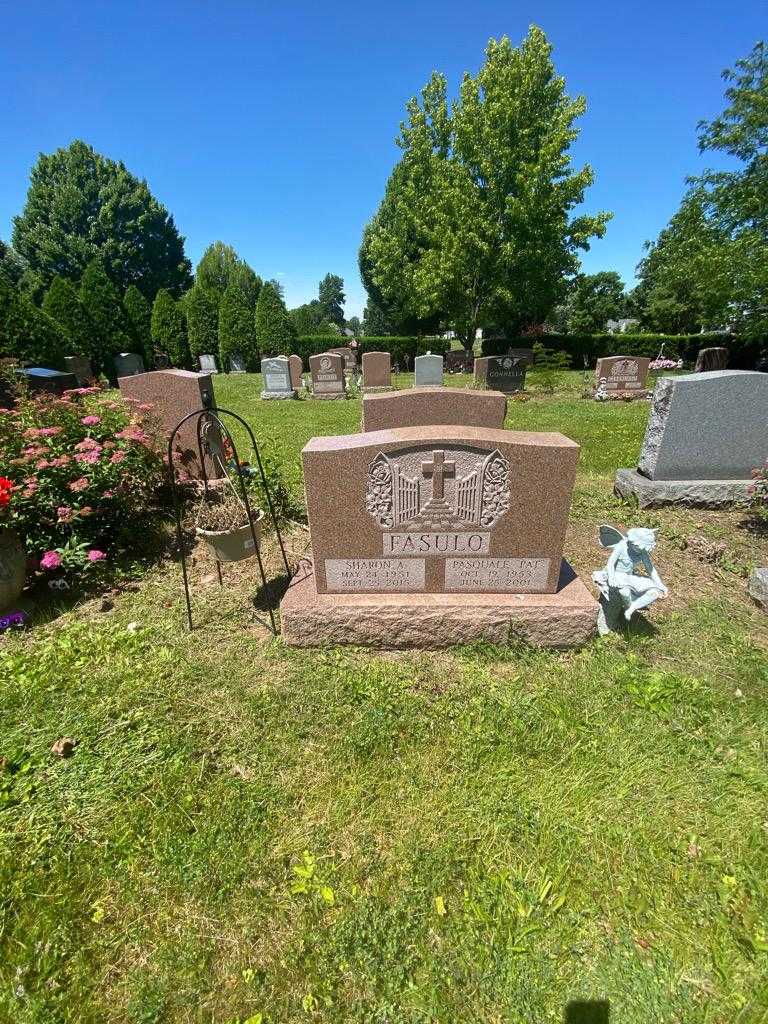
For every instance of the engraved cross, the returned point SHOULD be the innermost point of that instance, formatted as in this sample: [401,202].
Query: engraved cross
[438,469]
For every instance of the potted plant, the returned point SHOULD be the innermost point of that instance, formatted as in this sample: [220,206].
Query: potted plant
[221,521]
[13,558]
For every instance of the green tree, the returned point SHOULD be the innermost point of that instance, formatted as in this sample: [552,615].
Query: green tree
[592,300]
[102,305]
[201,306]
[12,266]
[237,330]
[63,305]
[28,333]
[82,205]
[476,222]
[138,315]
[330,297]
[275,332]
[215,268]
[709,267]
[355,326]
[169,329]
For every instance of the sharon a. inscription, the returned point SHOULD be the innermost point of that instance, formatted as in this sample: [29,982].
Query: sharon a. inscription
[355,574]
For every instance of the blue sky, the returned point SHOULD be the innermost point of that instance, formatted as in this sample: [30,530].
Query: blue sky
[272,126]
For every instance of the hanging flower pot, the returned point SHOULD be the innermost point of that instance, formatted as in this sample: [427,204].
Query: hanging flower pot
[223,524]
[13,567]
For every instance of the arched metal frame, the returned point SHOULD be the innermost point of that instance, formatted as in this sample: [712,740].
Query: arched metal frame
[206,419]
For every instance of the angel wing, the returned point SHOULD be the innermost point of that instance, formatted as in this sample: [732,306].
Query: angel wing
[610,536]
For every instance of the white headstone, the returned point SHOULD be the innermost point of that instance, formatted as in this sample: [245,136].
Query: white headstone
[277,378]
[208,364]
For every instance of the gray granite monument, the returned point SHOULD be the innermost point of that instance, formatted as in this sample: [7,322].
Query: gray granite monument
[428,371]
[81,367]
[277,378]
[128,364]
[705,435]
[236,364]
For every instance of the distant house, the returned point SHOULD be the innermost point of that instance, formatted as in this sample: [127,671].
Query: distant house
[624,326]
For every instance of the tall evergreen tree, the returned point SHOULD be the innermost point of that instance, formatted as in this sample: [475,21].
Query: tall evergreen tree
[82,205]
[28,333]
[201,306]
[237,333]
[63,305]
[101,303]
[138,315]
[275,332]
[169,329]
[12,266]
[330,296]
[215,268]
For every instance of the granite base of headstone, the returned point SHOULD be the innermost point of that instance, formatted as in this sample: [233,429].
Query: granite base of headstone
[758,587]
[709,359]
[80,367]
[328,381]
[276,374]
[169,396]
[705,435]
[128,364]
[622,377]
[452,535]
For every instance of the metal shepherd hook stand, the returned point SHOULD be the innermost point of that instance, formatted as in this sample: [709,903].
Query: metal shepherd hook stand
[212,435]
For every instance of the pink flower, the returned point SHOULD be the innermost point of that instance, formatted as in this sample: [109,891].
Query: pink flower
[86,510]
[96,556]
[116,457]
[43,464]
[50,560]
[64,512]
[89,458]
[80,484]
[108,494]
[63,460]
[88,444]
[133,434]
[145,407]
[90,421]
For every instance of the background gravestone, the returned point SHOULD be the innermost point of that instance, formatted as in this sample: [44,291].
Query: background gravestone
[377,371]
[705,435]
[458,360]
[426,406]
[327,371]
[428,371]
[81,367]
[501,373]
[276,374]
[39,378]
[297,372]
[711,359]
[128,364]
[236,363]
[172,395]
[208,364]
[625,376]
[348,355]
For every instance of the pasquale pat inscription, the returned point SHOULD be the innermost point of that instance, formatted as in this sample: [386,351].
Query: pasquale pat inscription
[375,573]
[496,575]
[414,544]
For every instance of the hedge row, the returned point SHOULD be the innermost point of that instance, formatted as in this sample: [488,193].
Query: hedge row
[400,348]
[586,349]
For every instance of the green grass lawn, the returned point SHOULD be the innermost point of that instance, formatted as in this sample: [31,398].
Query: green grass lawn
[251,833]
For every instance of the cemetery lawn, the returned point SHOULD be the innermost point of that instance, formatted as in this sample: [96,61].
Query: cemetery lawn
[246,832]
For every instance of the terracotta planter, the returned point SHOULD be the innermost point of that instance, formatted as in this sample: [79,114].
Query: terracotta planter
[233,545]
[13,568]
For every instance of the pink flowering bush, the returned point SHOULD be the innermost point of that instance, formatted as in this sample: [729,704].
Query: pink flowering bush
[83,469]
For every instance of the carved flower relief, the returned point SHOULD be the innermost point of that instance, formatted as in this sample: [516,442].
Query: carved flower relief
[495,490]
[378,499]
